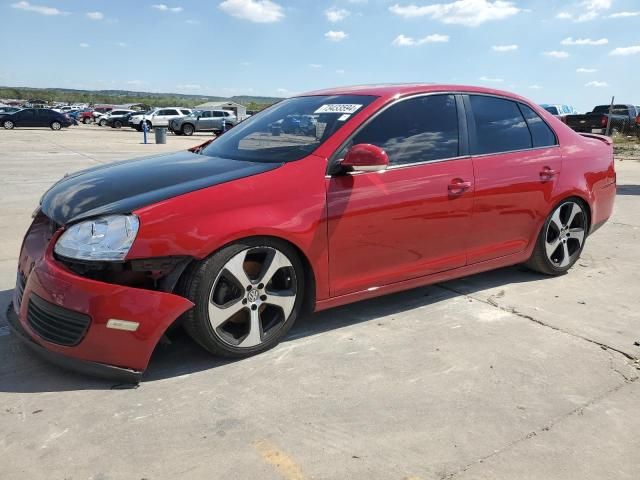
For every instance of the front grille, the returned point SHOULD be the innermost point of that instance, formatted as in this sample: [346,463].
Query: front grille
[56,324]
[20,284]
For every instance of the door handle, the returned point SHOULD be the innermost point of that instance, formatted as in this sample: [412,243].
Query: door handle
[458,186]
[547,174]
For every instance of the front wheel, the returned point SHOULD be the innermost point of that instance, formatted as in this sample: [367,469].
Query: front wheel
[247,296]
[86,121]
[56,125]
[117,124]
[561,239]
[8,125]
[187,129]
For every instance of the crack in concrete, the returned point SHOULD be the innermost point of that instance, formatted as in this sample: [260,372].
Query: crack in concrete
[578,410]
[545,428]
[514,311]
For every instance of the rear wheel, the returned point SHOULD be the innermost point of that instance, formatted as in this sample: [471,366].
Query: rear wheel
[8,125]
[55,125]
[86,120]
[561,240]
[117,124]
[102,122]
[188,129]
[247,296]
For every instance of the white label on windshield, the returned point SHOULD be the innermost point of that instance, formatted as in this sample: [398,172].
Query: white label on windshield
[339,108]
[344,118]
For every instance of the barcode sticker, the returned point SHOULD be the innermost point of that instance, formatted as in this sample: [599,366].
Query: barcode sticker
[339,108]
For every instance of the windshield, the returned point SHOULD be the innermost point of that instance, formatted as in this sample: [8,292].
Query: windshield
[552,110]
[289,130]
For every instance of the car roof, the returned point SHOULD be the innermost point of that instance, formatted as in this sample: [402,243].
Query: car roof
[390,90]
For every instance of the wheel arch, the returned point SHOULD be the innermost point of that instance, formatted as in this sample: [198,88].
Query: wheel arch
[310,275]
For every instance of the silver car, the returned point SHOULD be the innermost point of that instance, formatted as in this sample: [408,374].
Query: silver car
[215,121]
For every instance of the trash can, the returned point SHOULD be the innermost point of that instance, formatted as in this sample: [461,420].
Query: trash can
[161,134]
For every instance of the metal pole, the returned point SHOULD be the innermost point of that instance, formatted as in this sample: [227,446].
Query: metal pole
[609,118]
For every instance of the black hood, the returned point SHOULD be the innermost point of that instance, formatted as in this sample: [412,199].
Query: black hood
[125,186]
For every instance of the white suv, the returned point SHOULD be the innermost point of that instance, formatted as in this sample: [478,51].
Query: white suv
[158,117]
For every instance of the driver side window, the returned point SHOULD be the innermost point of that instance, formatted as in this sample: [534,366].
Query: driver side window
[419,129]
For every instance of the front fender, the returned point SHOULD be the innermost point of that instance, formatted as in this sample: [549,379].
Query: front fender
[287,203]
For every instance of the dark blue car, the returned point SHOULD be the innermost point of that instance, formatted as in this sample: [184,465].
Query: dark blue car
[35,117]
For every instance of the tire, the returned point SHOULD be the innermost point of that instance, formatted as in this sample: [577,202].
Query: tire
[217,287]
[102,123]
[55,125]
[117,124]
[562,238]
[8,125]
[188,129]
[86,121]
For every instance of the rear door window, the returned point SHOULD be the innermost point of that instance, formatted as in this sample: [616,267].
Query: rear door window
[541,134]
[499,126]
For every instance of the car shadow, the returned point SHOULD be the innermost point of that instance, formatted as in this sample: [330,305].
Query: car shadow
[628,190]
[177,355]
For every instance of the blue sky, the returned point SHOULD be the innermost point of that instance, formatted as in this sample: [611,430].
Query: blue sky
[572,51]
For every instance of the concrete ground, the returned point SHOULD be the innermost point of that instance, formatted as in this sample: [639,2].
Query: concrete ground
[503,375]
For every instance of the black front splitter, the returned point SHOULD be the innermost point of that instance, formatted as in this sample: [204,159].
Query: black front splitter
[94,369]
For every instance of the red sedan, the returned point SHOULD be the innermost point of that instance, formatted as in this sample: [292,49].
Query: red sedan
[320,200]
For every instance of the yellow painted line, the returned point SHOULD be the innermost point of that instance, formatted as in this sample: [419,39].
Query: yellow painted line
[283,463]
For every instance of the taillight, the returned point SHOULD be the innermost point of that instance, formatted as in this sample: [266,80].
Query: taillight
[638,120]
[603,121]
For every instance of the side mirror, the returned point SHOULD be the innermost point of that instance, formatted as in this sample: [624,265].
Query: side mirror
[365,158]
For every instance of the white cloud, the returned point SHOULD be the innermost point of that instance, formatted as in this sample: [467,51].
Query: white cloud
[334,36]
[504,48]
[190,86]
[336,14]
[491,79]
[315,65]
[165,8]
[589,10]
[95,15]
[84,45]
[340,71]
[624,14]
[121,44]
[41,9]
[245,64]
[586,70]
[583,41]
[596,84]
[404,41]
[624,51]
[535,87]
[556,54]
[282,90]
[257,11]
[463,12]
[192,22]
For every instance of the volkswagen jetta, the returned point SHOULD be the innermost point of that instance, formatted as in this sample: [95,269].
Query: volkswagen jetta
[396,186]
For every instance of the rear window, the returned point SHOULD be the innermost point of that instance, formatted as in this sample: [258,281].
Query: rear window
[499,126]
[617,109]
[552,110]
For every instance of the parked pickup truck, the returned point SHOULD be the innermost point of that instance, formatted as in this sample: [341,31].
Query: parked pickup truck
[624,119]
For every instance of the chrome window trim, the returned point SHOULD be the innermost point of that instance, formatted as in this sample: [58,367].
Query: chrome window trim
[481,155]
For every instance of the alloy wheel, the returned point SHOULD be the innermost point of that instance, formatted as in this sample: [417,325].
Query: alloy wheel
[252,297]
[56,126]
[565,234]
[8,125]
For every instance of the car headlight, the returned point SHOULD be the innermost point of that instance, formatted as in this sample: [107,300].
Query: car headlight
[107,238]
